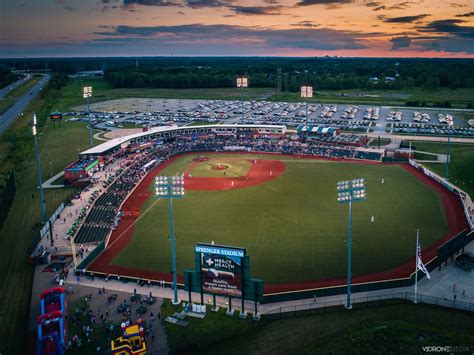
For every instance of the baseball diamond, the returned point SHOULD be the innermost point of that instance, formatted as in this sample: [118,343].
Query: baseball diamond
[283,210]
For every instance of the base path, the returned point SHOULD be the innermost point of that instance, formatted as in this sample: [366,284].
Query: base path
[258,174]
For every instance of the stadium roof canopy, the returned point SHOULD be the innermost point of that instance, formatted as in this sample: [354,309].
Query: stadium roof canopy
[316,129]
[116,142]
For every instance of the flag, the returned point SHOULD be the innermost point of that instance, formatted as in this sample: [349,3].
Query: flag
[420,264]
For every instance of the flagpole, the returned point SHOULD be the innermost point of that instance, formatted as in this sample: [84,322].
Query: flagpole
[416,264]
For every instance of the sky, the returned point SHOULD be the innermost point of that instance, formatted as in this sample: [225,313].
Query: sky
[355,28]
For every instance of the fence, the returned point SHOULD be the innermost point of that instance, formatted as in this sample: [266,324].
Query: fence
[38,235]
[189,341]
[52,219]
[7,194]
[462,195]
[361,302]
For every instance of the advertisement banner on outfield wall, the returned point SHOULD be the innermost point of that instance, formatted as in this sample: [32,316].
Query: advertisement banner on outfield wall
[221,269]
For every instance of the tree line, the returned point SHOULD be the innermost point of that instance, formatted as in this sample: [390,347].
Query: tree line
[328,73]
[7,77]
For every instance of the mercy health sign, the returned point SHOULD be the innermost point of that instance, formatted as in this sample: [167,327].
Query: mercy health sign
[221,269]
[224,271]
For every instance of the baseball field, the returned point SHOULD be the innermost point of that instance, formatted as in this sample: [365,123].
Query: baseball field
[284,211]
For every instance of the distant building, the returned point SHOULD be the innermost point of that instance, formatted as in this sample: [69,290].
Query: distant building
[87,73]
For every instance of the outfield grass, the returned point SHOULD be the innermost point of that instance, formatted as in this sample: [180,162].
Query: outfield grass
[292,226]
[461,169]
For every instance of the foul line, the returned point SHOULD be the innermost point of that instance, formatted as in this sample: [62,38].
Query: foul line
[126,230]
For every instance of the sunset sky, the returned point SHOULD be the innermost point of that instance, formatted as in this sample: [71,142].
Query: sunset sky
[417,28]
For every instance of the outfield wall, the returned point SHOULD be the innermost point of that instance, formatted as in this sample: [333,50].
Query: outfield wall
[463,196]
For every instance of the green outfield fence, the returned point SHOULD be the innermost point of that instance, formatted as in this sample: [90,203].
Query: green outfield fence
[365,302]
[445,252]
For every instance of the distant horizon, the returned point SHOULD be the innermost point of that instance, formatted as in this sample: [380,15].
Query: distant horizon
[281,28]
[232,56]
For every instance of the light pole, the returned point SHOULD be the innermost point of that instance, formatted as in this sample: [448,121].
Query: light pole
[242,82]
[87,93]
[38,165]
[448,152]
[306,92]
[171,187]
[349,191]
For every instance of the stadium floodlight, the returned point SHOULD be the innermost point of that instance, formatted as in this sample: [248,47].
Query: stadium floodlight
[171,187]
[448,151]
[87,94]
[242,82]
[306,92]
[38,166]
[349,191]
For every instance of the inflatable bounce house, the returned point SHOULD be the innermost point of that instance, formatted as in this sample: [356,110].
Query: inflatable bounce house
[132,340]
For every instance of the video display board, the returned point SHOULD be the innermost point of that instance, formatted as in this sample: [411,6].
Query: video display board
[221,269]
[56,116]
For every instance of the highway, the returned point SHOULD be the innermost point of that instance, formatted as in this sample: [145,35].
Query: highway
[20,105]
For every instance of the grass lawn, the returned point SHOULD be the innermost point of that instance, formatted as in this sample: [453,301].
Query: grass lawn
[59,146]
[383,141]
[203,332]
[461,169]
[294,221]
[401,328]
[100,336]
[200,123]
[104,91]
[9,99]
[458,98]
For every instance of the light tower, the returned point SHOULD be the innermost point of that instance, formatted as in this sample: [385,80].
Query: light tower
[38,166]
[306,92]
[86,94]
[349,191]
[171,187]
[242,82]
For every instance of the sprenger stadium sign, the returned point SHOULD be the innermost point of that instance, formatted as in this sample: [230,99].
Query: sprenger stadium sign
[220,251]
[224,271]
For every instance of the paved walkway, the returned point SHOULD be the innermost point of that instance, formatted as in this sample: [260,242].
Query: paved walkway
[100,136]
[48,183]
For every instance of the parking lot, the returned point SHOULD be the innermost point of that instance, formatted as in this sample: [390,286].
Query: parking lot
[362,118]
